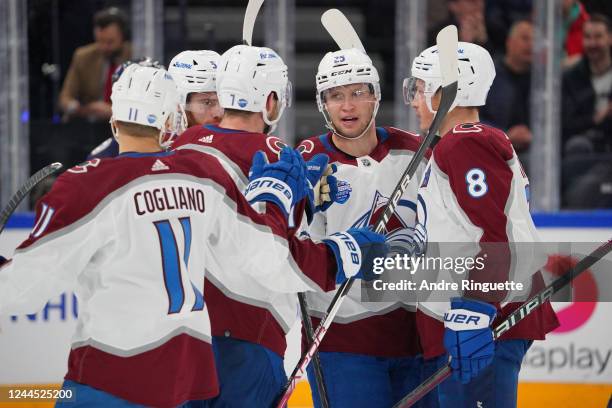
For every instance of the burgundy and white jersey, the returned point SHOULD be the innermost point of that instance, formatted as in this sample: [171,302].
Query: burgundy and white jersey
[373,328]
[241,307]
[135,234]
[475,192]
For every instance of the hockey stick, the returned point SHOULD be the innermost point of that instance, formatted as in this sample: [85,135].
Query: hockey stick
[519,314]
[250,15]
[341,30]
[316,361]
[447,46]
[344,34]
[30,183]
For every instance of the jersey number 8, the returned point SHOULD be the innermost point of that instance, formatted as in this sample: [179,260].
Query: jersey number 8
[476,182]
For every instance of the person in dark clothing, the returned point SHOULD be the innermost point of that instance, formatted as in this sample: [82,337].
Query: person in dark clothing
[469,17]
[586,103]
[508,107]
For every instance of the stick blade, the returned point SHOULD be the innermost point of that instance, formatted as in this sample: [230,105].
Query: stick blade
[250,15]
[448,43]
[341,30]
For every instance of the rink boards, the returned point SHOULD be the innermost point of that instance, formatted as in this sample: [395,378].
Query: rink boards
[573,364]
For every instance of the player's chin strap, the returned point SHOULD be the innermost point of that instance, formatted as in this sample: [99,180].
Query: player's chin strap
[271,123]
[330,125]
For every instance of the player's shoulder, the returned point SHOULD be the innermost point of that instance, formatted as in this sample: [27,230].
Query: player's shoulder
[322,143]
[84,54]
[399,139]
[81,186]
[101,177]
[194,134]
[315,144]
[236,142]
[466,137]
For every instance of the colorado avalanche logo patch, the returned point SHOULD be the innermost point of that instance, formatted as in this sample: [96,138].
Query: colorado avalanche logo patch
[344,191]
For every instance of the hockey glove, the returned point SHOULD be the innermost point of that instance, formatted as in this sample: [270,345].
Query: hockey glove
[355,251]
[3,260]
[282,182]
[323,187]
[468,337]
[410,241]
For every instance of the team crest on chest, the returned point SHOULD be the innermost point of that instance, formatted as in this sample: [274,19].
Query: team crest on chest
[373,214]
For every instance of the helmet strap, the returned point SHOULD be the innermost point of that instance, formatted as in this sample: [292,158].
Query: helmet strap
[271,124]
[114,129]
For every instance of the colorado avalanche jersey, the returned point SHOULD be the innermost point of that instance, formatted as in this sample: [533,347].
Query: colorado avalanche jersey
[241,307]
[135,235]
[474,196]
[373,328]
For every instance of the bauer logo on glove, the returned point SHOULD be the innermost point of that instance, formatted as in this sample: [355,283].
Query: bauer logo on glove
[282,182]
[269,183]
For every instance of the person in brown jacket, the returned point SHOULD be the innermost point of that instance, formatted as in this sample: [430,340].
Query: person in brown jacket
[87,86]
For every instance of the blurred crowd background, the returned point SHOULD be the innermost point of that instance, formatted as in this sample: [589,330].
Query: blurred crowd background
[74,46]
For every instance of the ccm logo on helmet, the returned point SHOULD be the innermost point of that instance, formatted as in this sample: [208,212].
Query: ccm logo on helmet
[461,318]
[346,71]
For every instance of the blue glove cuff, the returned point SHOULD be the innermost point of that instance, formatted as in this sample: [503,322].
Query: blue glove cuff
[272,190]
[466,314]
[347,253]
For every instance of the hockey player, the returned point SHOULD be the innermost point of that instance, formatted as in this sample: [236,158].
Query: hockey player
[249,321]
[376,341]
[473,191]
[136,234]
[194,73]
[110,147]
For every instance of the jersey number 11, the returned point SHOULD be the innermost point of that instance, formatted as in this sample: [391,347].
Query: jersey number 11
[171,265]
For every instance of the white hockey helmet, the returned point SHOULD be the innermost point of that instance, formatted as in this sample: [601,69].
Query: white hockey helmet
[247,75]
[194,71]
[345,67]
[476,75]
[146,96]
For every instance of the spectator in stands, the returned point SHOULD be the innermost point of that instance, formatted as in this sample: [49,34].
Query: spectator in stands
[574,18]
[87,86]
[500,15]
[469,17]
[587,106]
[508,106]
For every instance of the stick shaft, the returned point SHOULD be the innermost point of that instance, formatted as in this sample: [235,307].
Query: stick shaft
[316,361]
[24,190]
